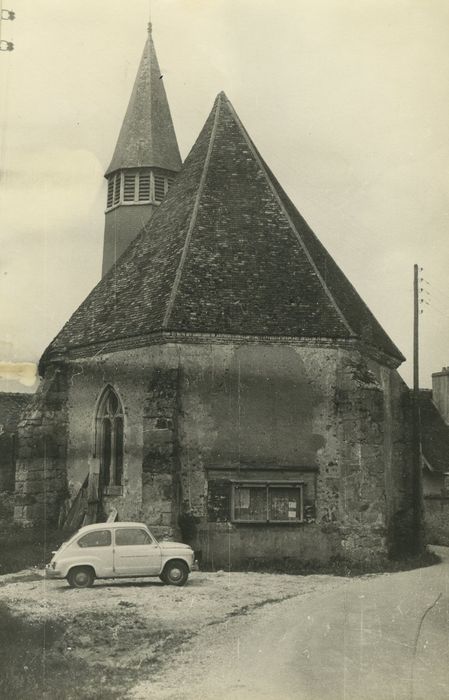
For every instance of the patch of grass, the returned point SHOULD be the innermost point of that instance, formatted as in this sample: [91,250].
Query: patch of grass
[24,648]
[32,665]
[121,639]
[418,561]
[341,567]
[25,548]
[82,658]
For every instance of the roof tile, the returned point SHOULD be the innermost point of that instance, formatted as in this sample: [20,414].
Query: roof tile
[227,253]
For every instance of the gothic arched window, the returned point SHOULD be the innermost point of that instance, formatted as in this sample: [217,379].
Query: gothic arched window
[110,438]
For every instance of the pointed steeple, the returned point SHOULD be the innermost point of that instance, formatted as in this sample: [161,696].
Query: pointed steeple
[147,138]
[145,160]
[227,254]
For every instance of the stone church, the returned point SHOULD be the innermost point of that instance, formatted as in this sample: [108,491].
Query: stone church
[224,381]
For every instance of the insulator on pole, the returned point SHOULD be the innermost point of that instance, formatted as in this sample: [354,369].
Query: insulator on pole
[6,45]
[8,14]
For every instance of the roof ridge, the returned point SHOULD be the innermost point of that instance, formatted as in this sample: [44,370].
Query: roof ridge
[151,54]
[261,164]
[150,85]
[192,222]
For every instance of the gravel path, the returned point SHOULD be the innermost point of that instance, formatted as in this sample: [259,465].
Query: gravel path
[141,626]
[373,637]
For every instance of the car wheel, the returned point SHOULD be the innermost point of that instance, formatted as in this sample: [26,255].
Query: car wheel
[81,577]
[175,573]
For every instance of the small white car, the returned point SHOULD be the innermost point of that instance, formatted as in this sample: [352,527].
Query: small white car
[119,550]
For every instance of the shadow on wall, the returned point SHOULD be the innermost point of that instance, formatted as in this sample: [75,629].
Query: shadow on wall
[265,409]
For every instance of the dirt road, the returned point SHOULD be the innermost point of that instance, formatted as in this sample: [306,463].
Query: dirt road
[381,638]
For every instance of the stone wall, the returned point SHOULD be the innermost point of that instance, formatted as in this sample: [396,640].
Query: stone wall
[12,406]
[197,414]
[146,382]
[399,479]
[129,375]
[374,441]
[286,410]
[160,484]
[41,477]
[358,483]
[437,519]
[8,455]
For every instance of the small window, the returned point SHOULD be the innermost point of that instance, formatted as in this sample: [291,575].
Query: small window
[144,187]
[159,188]
[273,503]
[131,536]
[110,199]
[97,538]
[129,187]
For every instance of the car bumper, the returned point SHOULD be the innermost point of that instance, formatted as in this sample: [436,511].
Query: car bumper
[52,573]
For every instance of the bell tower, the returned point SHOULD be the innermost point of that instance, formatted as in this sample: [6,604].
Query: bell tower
[145,160]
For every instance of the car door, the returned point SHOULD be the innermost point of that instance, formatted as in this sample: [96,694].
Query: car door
[136,553]
[95,548]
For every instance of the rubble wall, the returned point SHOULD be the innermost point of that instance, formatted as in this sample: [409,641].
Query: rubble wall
[201,415]
[287,410]
[437,517]
[8,447]
[41,476]
[130,375]
[145,380]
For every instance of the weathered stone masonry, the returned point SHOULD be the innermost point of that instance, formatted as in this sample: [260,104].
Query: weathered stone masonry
[41,474]
[160,465]
[199,417]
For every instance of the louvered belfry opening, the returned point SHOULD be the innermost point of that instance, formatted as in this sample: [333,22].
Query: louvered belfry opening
[146,186]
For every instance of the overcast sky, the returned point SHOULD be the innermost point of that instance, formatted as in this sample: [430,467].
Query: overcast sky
[347,101]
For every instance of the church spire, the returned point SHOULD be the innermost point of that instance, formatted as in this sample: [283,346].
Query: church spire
[145,160]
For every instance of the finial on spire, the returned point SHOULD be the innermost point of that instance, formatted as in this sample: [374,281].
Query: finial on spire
[150,24]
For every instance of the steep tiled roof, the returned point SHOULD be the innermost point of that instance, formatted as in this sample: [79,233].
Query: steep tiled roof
[147,137]
[11,406]
[225,253]
[434,434]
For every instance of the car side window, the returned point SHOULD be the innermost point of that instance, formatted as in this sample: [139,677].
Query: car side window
[97,538]
[130,536]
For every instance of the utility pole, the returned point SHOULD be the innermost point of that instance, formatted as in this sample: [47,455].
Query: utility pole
[418,519]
